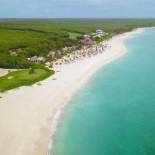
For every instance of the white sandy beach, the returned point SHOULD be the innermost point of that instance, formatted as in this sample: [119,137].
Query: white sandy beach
[26,114]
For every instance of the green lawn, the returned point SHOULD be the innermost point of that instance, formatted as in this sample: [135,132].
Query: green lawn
[23,78]
[73,35]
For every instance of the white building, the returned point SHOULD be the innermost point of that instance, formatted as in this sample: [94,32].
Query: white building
[99,33]
[86,36]
[36,59]
[51,54]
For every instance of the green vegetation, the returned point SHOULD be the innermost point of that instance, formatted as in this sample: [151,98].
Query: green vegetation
[21,39]
[73,35]
[24,77]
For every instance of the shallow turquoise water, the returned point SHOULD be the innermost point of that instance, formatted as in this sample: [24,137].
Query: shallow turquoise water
[114,114]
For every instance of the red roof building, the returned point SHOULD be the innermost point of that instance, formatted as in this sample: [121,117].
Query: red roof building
[87,41]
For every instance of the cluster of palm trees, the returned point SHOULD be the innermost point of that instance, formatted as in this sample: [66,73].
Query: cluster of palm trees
[80,54]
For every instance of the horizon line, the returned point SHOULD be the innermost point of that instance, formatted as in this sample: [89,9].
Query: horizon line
[77,18]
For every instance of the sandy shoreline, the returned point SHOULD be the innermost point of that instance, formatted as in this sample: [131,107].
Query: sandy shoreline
[26,113]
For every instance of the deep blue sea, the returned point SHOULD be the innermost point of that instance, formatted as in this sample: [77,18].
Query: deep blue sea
[114,114]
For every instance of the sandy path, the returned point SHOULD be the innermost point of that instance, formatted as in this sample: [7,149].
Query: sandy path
[3,72]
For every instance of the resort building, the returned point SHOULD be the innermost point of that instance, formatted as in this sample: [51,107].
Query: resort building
[65,49]
[100,33]
[51,54]
[36,59]
[86,36]
[87,41]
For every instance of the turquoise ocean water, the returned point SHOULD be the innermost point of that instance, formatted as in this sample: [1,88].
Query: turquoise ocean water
[114,114]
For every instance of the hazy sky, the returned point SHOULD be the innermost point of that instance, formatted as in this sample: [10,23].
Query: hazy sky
[77,8]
